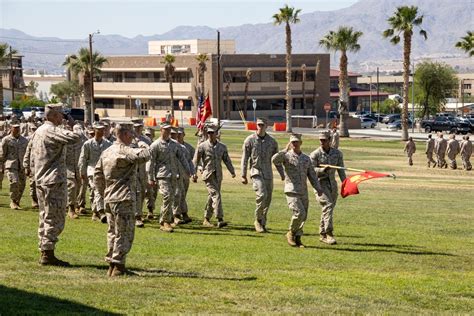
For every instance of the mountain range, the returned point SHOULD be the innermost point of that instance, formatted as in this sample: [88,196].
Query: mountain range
[444,20]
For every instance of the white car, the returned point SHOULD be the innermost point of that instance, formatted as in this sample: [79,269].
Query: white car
[366,122]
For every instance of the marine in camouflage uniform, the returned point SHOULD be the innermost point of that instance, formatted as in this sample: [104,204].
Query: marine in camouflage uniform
[73,174]
[163,171]
[452,151]
[430,144]
[83,182]
[326,155]
[211,153]
[115,178]
[13,152]
[29,171]
[410,149]
[151,192]
[466,152]
[440,150]
[189,153]
[90,153]
[334,138]
[295,169]
[140,141]
[48,155]
[258,150]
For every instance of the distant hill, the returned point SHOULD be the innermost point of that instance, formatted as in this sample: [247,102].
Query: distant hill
[445,21]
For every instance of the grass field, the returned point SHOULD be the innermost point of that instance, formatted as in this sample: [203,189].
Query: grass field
[404,246]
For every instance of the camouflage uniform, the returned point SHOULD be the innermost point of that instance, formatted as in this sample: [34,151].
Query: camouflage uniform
[47,154]
[410,149]
[452,151]
[163,168]
[430,144]
[180,207]
[259,151]
[73,152]
[440,150]
[83,183]
[335,139]
[211,156]
[296,170]
[142,179]
[13,152]
[466,152]
[115,179]
[29,169]
[328,184]
[90,153]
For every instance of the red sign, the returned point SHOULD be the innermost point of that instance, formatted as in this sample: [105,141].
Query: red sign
[327,107]
[181,104]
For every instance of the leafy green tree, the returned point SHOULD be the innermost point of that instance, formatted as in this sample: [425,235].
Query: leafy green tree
[4,60]
[287,15]
[344,40]
[25,101]
[403,22]
[32,87]
[169,60]
[66,90]
[434,82]
[467,43]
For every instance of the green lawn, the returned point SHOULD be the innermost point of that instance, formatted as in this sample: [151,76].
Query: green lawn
[404,246]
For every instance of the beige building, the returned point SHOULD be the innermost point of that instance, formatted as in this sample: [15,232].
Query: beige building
[193,46]
[12,70]
[125,79]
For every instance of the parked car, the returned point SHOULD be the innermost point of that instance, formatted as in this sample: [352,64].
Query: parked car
[390,118]
[396,125]
[366,122]
[445,123]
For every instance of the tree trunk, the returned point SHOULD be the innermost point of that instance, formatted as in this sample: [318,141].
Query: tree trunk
[170,80]
[406,74]
[343,95]
[315,93]
[303,88]
[87,97]
[289,102]
[246,92]
[227,98]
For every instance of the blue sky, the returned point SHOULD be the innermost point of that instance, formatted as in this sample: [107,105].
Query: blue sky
[73,19]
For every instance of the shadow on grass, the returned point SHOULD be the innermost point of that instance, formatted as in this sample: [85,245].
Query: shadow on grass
[210,232]
[140,272]
[20,302]
[402,249]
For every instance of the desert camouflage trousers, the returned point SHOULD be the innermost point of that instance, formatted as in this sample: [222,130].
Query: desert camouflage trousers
[328,202]
[97,200]
[180,206]
[429,156]
[17,179]
[214,199]
[167,189]
[72,190]
[141,193]
[121,230]
[466,163]
[81,194]
[263,189]
[298,204]
[52,201]
[33,195]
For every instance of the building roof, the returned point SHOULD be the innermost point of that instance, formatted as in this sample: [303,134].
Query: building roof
[359,94]
[335,73]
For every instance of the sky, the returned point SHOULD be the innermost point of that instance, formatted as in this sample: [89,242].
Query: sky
[75,19]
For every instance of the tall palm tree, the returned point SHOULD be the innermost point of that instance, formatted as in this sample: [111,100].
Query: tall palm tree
[467,43]
[227,98]
[315,94]
[303,87]
[4,59]
[403,21]
[168,60]
[345,39]
[248,76]
[81,64]
[202,60]
[287,15]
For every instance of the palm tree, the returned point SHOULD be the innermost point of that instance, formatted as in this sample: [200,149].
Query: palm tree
[248,76]
[168,60]
[4,58]
[227,98]
[303,88]
[467,43]
[315,94]
[202,60]
[404,20]
[81,64]
[287,15]
[345,39]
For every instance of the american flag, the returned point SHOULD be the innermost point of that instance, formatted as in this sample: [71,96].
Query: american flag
[200,112]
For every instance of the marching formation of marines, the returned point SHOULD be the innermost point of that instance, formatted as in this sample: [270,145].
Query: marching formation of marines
[125,169]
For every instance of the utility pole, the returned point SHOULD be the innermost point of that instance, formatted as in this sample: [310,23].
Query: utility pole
[370,95]
[218,77]
[12,73]
[378,94]
[413,98]
[92,75]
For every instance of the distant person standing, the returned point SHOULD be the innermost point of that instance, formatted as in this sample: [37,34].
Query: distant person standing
[327,155]
[440,149]
[452,151]
[410,149]
[48,155]
[115,178]
[258,149]
[466,152]
[430,144]
[334,138]
[295,169]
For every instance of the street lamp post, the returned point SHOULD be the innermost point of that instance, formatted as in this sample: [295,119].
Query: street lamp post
[370,95]
[92,75]
[413,98]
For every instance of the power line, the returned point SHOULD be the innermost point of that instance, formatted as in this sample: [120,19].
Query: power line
[43,40]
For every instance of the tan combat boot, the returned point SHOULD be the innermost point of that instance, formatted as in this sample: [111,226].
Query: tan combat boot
[119,270]
[166,227]
[330,240]
[150,215]
[34,205]
[207,223]
[48,259]
[71,213]
[258,227]
[178,221]
[221,223]
[290,238]
[82,211]
[139,222]
[111,269]
[14,205]
[95,216]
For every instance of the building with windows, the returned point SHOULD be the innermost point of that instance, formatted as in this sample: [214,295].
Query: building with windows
[12,79]
[127,78]
[193,46]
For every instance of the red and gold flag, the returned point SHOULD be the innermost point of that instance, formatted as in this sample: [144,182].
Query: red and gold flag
[349,185]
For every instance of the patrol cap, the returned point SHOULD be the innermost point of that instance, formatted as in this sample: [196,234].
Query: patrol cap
[105,123]
[324,135]
[54,107]
[174,130]
[180,130]
[98,126]
[137,124]
[148,131]
[262,120]
[165,125]
[211,128]
[124,126]
[16,125]
[295,138]
[90,131]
